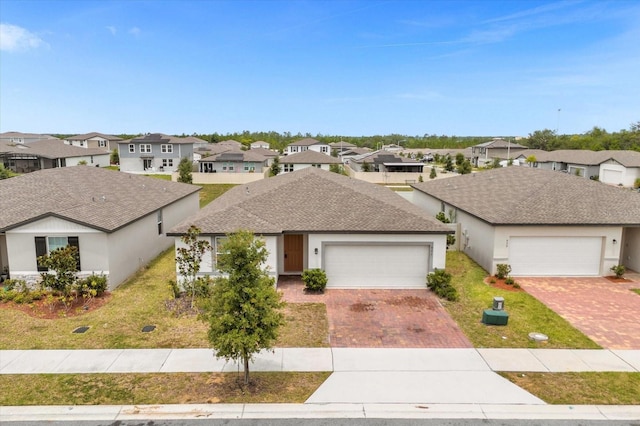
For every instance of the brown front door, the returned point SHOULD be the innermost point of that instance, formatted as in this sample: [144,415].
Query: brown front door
[293,253]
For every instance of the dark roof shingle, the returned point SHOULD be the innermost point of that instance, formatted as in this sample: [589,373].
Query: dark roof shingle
[528,196]
[311,200]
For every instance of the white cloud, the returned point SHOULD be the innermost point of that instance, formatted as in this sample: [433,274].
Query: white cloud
[111,29]
[15,39]
[135,31]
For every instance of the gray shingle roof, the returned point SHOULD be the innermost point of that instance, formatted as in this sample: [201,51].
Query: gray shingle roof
[311,200]
[309,157]
[50,148]
[93,135]
[500,143]
[237,156]
[528,196]
[76,194]
[305,142]
[159,138]
[589,158]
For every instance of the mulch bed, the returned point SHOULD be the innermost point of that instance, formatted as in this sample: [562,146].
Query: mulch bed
[44,310]
[615,279]
[500,284]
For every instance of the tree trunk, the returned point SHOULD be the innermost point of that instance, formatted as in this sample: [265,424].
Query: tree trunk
[246,369]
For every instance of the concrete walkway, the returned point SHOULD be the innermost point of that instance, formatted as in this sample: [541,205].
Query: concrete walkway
[422,383]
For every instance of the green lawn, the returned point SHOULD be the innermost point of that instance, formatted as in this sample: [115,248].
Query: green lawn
[210,192]
[526,314]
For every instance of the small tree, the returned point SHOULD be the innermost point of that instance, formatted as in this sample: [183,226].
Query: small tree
[275,169]
[448,164]
[4,173]
[337,168]
[244,311]
[184,171]
[114,158]
[459,158]
[531,160]
[464,168]
[189,259]
[420,178]
[63,262]
[433,174]
[82,163]
[503,270]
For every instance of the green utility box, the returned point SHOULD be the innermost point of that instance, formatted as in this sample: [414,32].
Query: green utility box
[492,317]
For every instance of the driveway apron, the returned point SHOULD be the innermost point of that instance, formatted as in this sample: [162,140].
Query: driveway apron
[376,318]
[606,311]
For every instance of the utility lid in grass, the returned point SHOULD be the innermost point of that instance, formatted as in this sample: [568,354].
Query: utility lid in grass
[148,328]
[81,329]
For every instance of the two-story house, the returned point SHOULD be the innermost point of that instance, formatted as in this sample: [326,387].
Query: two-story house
[307,144]
[155,152]
[94,140]
[497,148]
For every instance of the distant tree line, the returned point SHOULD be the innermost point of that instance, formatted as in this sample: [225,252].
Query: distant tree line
[596,139]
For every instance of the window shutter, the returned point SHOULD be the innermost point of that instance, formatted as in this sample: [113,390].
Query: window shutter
[41,250]
[75,242]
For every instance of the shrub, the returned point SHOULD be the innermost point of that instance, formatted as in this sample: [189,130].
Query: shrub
[451,240]
[439,281]
[175,289]
[636,183]
[509,281]
[442,218]
[503,270]
[619,270]
[315,280]
[93,285]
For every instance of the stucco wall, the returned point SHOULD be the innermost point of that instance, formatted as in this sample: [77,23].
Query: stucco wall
[627,175]
[21,248]
[221,178]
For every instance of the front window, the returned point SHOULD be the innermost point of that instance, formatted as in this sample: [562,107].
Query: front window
[145,148]
[287,167]
[317,166]
[324,149]
[293,148]
[102,143]
[218,251]
[166,148]
[132,148]
[159,222]
[45,245]
[167,162]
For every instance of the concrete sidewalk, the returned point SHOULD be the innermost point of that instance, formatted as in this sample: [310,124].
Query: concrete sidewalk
[384,383]
[63,361]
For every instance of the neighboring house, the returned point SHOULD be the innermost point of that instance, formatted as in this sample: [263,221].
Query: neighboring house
[154,152]
[498,148]
[611,167]
[540,222]
[302,160]
[339,147]
[95,140]
[385,162]
[620,168]
[259,144]
[268,153]
[23,138]
[230,143]
[363,235]
[347,155]
[117,220]
[47,154]
[197,142]
[307,144]
[233,162]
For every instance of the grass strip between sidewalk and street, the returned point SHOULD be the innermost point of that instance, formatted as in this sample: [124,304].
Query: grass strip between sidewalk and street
[590,388]
[157,388]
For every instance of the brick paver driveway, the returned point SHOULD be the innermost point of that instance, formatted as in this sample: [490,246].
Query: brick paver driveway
[382,318]
[608,312]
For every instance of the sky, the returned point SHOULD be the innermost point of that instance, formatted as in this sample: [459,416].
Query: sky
[345,68]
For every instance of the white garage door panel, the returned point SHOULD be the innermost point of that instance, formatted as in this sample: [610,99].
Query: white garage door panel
[376,266]
[555,256]
[612,176]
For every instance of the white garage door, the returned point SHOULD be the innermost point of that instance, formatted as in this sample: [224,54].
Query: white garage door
[611,176]
[555,256]
[376,265]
